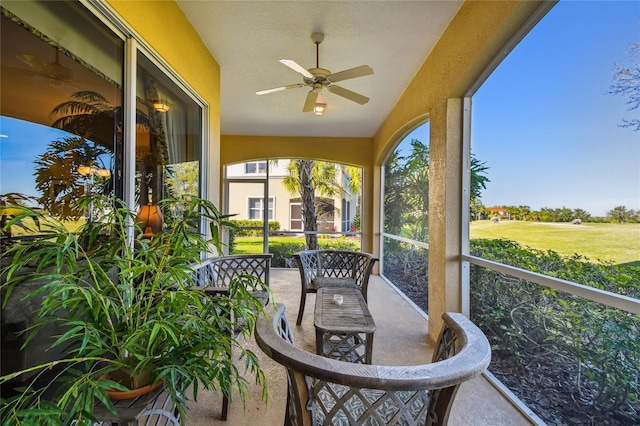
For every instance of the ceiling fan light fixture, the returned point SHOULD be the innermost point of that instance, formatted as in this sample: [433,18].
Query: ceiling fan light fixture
[319,108]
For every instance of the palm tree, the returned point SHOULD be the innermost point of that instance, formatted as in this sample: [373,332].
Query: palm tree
[306,177]
[58,177]
[91,116]
[99,127]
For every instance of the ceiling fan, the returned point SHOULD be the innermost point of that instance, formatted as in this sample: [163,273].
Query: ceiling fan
[318,78]
[53,70]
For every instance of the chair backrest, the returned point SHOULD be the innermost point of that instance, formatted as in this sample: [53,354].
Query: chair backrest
[219,271]
[335,264]
[324,391]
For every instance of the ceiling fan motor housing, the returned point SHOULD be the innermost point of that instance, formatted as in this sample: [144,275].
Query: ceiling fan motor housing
[319,76]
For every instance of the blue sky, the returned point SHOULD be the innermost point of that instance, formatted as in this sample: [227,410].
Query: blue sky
[21,142]
[544,123]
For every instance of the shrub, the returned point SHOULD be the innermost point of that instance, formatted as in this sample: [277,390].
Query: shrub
[339,244]
[582,346]
[282,253]
[246,223]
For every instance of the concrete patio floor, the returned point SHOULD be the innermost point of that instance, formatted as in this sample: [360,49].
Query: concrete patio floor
[400,339]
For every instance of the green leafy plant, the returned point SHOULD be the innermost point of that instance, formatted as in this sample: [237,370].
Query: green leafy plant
[125,301]
[589,349]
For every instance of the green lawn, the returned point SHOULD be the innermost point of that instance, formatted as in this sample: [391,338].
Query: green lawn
[619,243]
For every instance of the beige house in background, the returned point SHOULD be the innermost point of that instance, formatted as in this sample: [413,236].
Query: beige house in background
[248,185]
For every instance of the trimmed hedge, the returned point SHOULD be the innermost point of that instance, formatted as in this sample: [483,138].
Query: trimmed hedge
[274,225]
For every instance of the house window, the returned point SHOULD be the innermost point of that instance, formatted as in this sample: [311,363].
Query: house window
[325,214]
[256,208]
[255,167]
[295,211]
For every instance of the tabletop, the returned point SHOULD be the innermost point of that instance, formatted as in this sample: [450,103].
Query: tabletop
[352,315]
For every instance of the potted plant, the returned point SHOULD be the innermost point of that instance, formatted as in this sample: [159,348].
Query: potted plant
[125,301]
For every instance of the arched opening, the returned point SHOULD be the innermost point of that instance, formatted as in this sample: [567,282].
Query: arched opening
[299,212]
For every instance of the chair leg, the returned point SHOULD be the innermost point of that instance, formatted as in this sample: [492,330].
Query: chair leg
[225,407]
[303,299]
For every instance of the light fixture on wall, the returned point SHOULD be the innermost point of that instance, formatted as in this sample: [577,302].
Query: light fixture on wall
[161,106]
[150,219]
[319,108]
[84,170]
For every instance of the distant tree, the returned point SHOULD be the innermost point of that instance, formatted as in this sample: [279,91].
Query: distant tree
[564,214]
[626,82]
[394,201]
[182,179]
[524,212]
[406,191]
[416,190]
[354,185]
[479,179]
[478,211]
[478,183]
[512,212]
[619,214]
[581,214]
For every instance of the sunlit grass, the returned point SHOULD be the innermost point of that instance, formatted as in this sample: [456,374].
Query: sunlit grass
[29,227]
[599,242]
[618,243]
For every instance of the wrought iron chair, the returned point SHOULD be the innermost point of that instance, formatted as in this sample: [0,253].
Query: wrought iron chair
[216,273]
[332,268]
[324,391]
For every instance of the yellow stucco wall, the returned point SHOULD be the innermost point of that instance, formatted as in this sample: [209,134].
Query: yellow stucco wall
[183,50]
[354,151]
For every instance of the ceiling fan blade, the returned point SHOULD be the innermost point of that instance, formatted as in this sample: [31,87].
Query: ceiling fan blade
[297,68]
[54,70]
[311,101]
[346,93]
[279,89]
[360,71]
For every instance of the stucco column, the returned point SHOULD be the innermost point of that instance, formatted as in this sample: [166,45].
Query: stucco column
[445,204]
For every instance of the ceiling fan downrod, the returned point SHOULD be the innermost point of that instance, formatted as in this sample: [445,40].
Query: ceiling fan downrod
[317,38]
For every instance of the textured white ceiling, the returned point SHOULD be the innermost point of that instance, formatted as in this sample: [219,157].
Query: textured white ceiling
[247,38]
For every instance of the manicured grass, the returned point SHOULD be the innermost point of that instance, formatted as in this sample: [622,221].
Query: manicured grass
[599,242]
[618,243]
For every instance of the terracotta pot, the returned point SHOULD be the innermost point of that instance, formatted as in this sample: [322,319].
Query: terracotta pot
[118,395]
[138,383]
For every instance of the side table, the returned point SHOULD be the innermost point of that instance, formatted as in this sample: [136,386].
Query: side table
[343,332]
